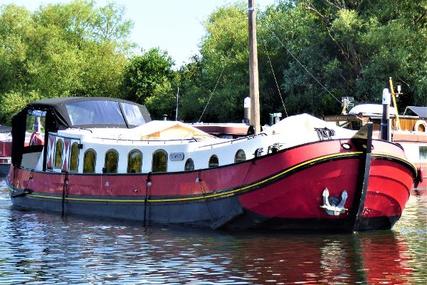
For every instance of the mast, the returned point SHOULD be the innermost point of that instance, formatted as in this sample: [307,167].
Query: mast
[253,68]
[393,96]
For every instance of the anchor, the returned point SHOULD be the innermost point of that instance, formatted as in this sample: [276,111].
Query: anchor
[332,205]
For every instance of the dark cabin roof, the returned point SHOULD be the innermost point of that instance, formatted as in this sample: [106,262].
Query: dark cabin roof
[81,112]
[58,107]
[417,110]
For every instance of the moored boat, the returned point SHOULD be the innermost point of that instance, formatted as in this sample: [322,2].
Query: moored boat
[5,149]
[409,130]
[103,159]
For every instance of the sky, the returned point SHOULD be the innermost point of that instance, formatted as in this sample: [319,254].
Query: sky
[175,26]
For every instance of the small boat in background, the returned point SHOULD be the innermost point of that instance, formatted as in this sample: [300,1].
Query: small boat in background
[5,150]
[224,130]
[409,130]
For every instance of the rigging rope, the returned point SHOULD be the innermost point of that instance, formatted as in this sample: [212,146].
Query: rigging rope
[213,91]
[299,62]
[275,80]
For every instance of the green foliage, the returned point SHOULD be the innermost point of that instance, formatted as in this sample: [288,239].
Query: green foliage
[11,102]
[149,79]
[310,52]
[73,49]
[222,71]
[319,50]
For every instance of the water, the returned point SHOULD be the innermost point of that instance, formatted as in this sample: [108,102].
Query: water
[39,248]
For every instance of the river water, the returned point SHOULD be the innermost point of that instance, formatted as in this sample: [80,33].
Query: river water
[40,248]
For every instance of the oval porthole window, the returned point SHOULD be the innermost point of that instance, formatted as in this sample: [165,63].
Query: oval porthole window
[240,156]
[346,146]
[74,157]
[189,165]
[213,161]
[111,161]
[134,161]
[160,161]
[89,161]
[59,149]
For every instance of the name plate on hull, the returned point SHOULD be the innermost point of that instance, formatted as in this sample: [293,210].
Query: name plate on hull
[176,156]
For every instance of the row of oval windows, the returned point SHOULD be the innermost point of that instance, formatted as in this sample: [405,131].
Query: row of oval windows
[159,164]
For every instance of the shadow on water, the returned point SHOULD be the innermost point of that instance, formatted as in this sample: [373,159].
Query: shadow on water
[44,248]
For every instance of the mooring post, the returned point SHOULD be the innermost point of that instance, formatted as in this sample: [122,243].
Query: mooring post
[385,119]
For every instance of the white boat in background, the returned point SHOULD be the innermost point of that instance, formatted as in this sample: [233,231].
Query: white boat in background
[408,130]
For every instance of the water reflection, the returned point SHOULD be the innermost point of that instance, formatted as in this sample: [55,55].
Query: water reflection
[44,248]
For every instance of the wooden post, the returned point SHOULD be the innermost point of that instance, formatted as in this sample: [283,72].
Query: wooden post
[253,68]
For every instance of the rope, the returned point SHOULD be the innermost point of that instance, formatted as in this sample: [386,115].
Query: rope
[275,80]
[299,62]
[213,91]
[203,190]
[64,193]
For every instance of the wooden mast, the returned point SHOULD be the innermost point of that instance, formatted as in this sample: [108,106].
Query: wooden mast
[253,68]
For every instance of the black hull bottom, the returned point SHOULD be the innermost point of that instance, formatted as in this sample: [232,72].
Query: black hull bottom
[198,214]
[226,214]
[254,221]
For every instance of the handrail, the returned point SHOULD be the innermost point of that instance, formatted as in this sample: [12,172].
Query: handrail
[148,141]
[125,139]
[233,140]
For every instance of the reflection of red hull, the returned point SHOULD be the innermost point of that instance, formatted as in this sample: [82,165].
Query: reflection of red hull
[366,258]
[282,191]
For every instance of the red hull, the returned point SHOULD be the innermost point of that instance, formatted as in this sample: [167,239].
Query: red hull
[280,189]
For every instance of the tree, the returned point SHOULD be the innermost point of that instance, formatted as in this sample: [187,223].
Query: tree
[74,49]
[319,52]
[217,82]
[149,79]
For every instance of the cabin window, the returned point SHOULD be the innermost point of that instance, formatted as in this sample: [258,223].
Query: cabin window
[213,161]
[132,114]
[35,126]
[89,161]
[160,161]
[74,157]
[59,149]
[134,161]
[240,156]
[189,165]
[111,161]
[99,112]
[423,153]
